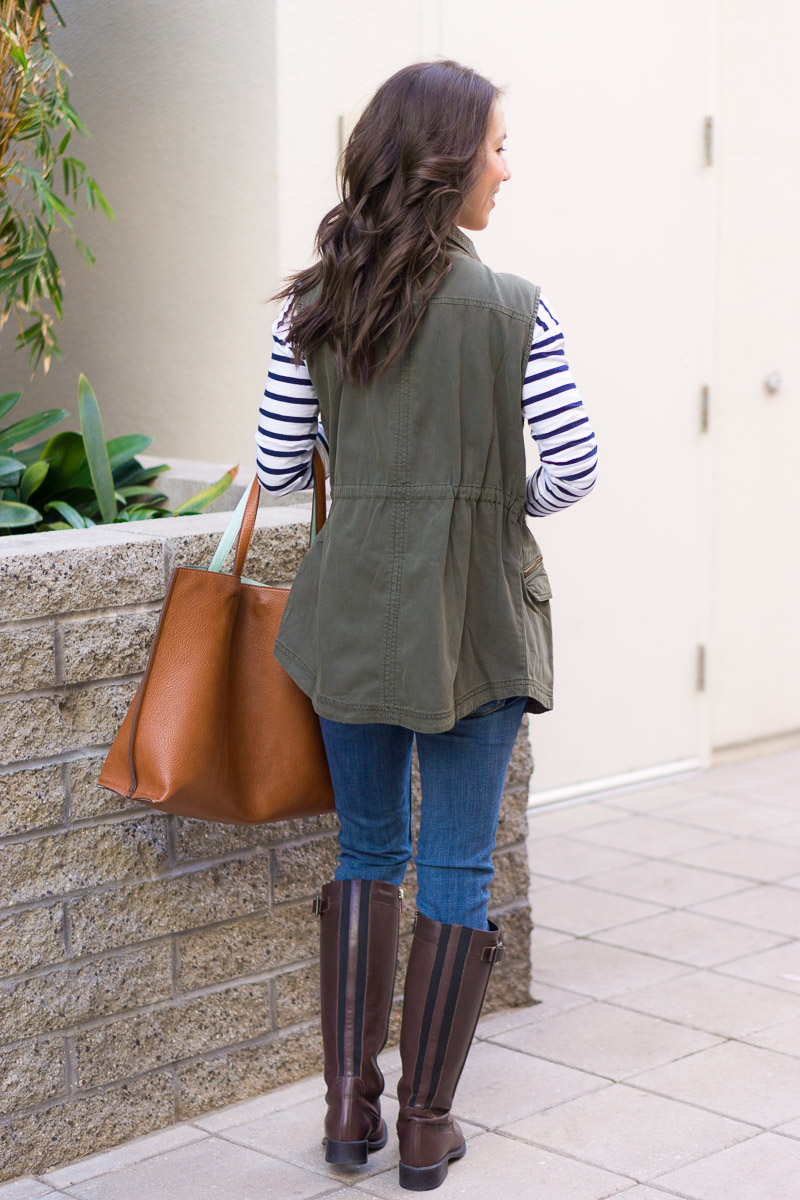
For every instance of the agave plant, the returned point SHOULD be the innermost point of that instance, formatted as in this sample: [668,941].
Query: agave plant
[76,480]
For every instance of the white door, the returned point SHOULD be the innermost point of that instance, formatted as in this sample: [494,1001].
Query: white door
[754,665]
[608,209]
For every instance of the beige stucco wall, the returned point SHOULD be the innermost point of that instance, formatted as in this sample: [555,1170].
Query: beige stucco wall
[216,136]
[169,325]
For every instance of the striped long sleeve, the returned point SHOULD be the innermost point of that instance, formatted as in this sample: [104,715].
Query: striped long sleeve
[289,424]
[558,422]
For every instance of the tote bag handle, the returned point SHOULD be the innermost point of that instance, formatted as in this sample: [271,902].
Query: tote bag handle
[243,518]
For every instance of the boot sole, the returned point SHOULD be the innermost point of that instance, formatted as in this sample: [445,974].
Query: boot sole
[425,1179]
[354,1154]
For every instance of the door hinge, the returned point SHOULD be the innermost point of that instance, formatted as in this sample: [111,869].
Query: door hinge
[708,141]
[701,668]
[705,393]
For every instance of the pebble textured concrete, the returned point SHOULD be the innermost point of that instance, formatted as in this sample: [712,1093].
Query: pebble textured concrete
[661,1059]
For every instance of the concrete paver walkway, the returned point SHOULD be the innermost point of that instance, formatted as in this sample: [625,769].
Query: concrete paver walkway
[661,1060]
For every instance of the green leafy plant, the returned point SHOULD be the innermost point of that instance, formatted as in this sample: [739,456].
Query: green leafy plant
[76,480]
[37,122]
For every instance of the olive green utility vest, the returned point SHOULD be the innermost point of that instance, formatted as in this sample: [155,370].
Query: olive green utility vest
[424,595]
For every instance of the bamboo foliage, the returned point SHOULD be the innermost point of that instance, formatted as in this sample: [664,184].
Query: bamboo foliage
[40,182]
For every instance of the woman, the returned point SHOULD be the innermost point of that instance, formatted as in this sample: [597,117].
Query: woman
[422,609]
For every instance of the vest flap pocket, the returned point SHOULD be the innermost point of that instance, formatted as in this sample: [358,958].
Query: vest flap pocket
[536,581]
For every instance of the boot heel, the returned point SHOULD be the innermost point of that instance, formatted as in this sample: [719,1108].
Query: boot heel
[353,1154]
[425,1179]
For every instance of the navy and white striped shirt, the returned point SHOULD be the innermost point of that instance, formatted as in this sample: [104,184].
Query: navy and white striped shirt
[289,425]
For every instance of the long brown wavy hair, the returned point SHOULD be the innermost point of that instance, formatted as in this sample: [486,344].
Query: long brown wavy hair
[406,171]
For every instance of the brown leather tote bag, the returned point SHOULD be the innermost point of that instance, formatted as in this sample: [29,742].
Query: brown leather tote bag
[217,729]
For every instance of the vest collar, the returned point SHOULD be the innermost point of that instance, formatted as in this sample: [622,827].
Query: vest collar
[460,239]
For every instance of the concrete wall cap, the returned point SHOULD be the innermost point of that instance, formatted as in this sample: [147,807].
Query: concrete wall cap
[163,529]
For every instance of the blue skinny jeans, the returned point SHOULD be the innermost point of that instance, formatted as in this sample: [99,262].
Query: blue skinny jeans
[462,772]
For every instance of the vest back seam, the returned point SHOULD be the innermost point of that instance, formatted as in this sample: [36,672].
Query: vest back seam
[399,522]
[514,314]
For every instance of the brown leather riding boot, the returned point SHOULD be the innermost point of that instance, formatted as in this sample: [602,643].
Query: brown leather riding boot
[448,970]
[359,924]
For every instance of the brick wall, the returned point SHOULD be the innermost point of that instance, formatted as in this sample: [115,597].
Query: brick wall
[152,967]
